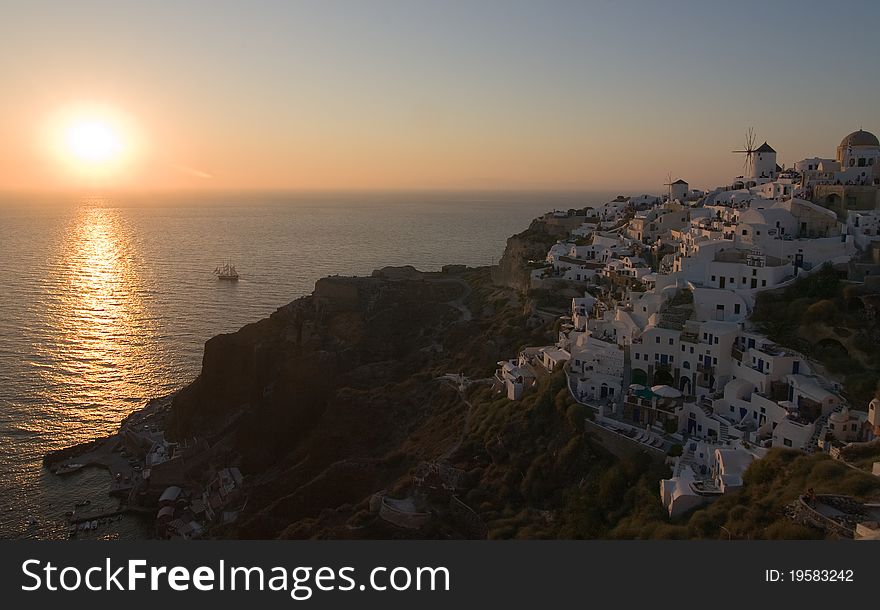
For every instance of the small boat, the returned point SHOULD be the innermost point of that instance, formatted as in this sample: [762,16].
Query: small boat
[83,503]
[226,272]
[93,525]
[31,521]
[68,468]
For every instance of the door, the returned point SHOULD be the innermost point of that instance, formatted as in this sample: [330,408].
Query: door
[723,280]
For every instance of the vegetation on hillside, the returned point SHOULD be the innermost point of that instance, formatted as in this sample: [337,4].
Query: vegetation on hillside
[537,472]
[826,319]
[540,474]
[757,510]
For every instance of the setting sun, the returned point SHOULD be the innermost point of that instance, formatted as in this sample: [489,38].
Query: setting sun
[93,142]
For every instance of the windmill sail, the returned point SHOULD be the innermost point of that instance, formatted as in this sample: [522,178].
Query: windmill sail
[749,152]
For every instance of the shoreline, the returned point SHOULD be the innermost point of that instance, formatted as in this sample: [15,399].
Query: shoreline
[121,454]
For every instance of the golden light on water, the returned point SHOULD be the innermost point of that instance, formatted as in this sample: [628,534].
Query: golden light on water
[104,334]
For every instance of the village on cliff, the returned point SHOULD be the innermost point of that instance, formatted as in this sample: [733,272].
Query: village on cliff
[660,346]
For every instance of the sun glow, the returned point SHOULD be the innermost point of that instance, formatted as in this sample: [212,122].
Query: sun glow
[93,141]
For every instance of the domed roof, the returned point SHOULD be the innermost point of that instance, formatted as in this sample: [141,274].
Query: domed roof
[860,138]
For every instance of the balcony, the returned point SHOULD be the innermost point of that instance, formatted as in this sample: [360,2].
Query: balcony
[708,369]
[737,354]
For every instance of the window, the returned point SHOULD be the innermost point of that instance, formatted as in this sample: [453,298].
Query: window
[754,272]
[657,339]
[763,283]
[670,340]
[745,232]
[786,442]
[716,340]
[736,308]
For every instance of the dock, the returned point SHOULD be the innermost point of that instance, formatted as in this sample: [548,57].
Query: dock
[75,520]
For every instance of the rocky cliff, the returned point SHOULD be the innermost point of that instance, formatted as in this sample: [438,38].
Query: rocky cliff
[530,245]
[340,395]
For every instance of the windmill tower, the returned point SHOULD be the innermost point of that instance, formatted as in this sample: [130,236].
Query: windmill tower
[749,151]
[676,190]
[668,185]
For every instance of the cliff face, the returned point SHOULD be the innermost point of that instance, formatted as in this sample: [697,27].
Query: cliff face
[336,396]
[340,395]
[532,244]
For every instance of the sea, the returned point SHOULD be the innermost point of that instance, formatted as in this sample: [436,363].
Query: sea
[107,302]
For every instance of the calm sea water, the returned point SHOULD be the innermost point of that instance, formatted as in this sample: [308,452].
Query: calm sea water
[107,303]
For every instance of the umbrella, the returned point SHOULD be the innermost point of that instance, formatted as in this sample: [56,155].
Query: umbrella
[665,391]
[636,386]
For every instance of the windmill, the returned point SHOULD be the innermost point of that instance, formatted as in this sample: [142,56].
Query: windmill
[749,152]
[668,184]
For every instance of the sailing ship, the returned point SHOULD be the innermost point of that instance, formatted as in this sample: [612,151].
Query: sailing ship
[227,272]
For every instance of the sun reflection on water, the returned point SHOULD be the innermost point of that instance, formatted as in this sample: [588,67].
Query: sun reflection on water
[104,335]
[92,353]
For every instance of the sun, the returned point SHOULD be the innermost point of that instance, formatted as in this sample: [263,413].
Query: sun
[93,141]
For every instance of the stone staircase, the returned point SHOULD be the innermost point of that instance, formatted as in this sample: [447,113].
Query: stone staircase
[723,432]
[820,423]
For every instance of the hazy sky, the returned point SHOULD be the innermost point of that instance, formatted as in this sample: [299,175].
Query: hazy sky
[452,94]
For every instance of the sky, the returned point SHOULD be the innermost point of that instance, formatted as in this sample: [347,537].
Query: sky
[385,94]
